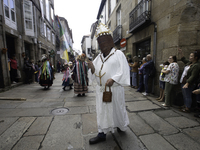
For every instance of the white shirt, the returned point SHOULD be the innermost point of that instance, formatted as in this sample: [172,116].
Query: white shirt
[184,73]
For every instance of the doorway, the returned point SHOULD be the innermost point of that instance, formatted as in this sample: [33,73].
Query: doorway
[10,44]
[27,50]
[143,49]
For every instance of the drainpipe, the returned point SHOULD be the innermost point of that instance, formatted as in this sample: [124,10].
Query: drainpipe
[154,50]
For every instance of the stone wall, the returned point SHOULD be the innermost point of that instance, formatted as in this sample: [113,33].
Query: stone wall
[178,25]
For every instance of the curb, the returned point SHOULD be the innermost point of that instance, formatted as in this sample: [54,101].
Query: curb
[13,98]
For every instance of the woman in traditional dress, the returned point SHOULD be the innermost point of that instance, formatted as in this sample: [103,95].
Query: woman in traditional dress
[45,73]
[80,76]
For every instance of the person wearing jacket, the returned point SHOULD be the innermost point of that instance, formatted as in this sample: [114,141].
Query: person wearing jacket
[141,83]
[146,68]
[189,76]
[134,72]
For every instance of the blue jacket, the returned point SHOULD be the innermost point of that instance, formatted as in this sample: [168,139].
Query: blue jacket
[147,67]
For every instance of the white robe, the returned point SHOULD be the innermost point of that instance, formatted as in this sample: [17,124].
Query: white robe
[113,114]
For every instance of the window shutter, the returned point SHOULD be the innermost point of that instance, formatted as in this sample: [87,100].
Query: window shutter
[28,18]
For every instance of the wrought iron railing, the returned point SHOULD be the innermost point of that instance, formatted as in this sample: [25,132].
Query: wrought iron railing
[140,15]
[117,34]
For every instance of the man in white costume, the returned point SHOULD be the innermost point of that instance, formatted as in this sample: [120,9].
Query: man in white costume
[110,67]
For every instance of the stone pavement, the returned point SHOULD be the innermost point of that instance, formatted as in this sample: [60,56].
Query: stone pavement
[30,124]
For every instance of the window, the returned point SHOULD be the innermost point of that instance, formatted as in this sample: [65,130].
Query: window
[109,8]
[142,49]
[47,9]
[43,51]
[48,34]
[53,38]
[42,8]
[28,18]
[52,17]
[10,13]
[45,30]
[41,27]
[118,16]
[109,25]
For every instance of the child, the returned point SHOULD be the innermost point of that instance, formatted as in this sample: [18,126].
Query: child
[66,77]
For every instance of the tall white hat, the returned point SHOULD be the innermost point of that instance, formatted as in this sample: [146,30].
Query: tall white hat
[102,29]
[44,56]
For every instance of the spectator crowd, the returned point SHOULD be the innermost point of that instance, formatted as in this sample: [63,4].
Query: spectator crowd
[169,80]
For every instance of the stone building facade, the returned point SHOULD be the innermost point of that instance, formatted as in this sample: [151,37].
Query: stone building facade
[156,27]
[68,34]
[86,45]
[27,29]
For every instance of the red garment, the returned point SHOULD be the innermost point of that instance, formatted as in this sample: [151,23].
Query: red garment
[13,63]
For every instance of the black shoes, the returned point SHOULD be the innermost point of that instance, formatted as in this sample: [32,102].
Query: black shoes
[118,130]
[99,138]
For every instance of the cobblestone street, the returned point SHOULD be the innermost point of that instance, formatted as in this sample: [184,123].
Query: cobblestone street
[30,124]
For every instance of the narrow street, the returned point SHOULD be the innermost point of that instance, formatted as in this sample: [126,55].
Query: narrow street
[38,124]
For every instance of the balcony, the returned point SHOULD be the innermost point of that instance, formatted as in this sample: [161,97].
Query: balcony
[140,15]
[117,34]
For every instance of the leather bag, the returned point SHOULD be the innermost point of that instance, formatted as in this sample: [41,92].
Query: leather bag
[107,95]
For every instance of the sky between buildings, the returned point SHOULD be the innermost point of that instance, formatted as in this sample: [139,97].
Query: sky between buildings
[80,14]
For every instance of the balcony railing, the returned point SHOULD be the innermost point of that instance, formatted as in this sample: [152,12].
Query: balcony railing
[140,15]
[117,34]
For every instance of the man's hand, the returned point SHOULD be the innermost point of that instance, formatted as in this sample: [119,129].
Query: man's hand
[110,82]
[186,86]
[90,65]
[196,91]
[180,53]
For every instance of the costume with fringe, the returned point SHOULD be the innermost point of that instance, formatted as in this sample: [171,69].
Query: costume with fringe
[80,77]
[46,74]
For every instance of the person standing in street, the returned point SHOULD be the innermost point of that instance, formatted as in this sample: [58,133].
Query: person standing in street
[141,83]
[46,73]
[67,81]
[80,76]
[36,72]
[171,80]
[13,67]
[27,70]
[189,77]
[58,66]
[134,71]
[147,67]
[110,68]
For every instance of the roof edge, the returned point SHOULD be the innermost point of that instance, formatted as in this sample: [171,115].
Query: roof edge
[101,8]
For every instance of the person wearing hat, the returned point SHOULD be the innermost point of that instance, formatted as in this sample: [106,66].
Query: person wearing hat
[80,76]
[45,73]
[110,68]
